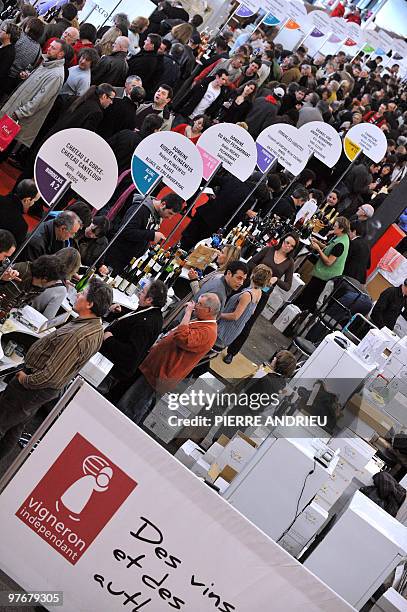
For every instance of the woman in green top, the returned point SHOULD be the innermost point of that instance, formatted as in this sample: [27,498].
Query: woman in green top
[330,264]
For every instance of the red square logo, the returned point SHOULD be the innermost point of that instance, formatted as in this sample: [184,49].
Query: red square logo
[76,498]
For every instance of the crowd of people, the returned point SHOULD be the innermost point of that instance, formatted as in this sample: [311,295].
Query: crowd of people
[130,80]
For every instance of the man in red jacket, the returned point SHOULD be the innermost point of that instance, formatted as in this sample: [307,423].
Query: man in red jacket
[173,357]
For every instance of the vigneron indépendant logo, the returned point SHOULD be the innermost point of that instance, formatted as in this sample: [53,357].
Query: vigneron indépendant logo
[76,498]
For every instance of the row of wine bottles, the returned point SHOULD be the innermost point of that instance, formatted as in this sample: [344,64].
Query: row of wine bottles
[165,265]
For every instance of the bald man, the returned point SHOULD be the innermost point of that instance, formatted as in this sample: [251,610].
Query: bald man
[113,68]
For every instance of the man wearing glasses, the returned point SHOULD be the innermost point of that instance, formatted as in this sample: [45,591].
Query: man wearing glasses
[52,236]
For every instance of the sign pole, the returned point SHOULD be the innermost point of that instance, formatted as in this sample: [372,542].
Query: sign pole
[302,40]
[41,431]
[122,227]
[357,156]
[110,14]
[54,204]
[249,195]
[191,206]
[290,184]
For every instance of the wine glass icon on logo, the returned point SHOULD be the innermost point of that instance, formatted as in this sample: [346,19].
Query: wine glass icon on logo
[97,477]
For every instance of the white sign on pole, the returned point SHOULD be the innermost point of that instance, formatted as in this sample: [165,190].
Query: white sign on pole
[276,12]
[100,12]
[253,5]
[168,156]
[321,20]
[80,157]
[355,33]
[295,28]
[373,38]
[322,28]
[324,142]
[285,143]
[339,33]
[367,137]
[102,513]
[230,145]
[399,49]
[386,41]
[297,11]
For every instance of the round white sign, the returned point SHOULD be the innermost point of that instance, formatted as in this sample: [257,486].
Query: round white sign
[80,157]
[368,138]
[324,142]
[285,143]
[321,21]
[230,145]
[168,156]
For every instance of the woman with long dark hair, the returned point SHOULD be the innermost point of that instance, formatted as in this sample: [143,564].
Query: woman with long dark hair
[195,128]
[281,262]
[237,107]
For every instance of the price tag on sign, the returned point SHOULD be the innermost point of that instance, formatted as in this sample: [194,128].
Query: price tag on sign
[144,175]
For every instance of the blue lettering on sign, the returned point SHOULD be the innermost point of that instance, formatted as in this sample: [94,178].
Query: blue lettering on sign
[144,177]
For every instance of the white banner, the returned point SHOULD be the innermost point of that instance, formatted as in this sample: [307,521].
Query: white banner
[230,145]
[81,157]
[324,142]
[367,137]
[171,157]
[103,513]
[102,12]
[285,143]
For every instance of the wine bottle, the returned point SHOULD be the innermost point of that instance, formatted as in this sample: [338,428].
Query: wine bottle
[82,283]
[126,274]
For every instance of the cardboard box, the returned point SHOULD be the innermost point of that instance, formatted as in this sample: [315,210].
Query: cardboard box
[368,419]
[201,257]
[225,478]
[355,451]
[397,408]
[222,484]
[161,428]
[189,453]
[377,285]
[237,453]
[308,523]
[213,452]
[200,468]
[291,545]
[390,601]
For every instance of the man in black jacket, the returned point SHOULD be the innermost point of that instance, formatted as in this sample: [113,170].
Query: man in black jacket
[358,260]
[14,205]
[205,97]
[148,64]
[122,114]
[113,68]
[124,143]
[391,304]
[171,70]
[146,215]
[288,206]
[52,236]
[159,106]
[127,341]
[218,210]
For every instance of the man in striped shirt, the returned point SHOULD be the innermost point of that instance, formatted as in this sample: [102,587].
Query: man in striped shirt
[52,362]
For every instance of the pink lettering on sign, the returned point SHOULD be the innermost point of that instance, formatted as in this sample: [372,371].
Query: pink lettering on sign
[210,163]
